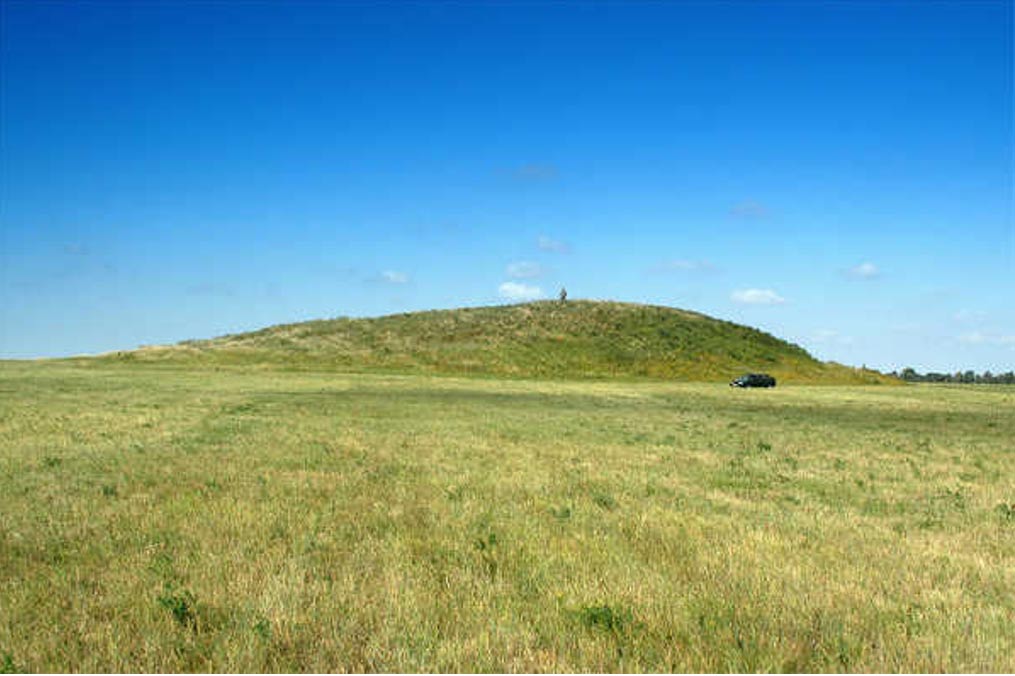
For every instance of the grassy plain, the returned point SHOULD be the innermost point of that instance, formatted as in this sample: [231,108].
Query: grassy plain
[166,519]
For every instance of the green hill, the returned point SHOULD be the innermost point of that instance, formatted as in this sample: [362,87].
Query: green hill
[577,339]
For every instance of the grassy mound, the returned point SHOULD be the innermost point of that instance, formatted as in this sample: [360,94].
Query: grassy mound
[577,339]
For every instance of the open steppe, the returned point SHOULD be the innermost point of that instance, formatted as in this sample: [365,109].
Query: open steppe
[172,518]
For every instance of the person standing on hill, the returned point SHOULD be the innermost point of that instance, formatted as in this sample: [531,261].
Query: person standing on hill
[563,295]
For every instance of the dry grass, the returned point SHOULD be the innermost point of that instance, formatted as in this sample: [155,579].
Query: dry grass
[154,519]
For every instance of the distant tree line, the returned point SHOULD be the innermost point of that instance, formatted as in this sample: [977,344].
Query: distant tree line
[985,378]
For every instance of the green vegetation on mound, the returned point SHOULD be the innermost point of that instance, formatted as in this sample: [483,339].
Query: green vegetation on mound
[577,339]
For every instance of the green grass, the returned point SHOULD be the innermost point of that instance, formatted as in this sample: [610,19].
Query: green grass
[575,340]
[170,519]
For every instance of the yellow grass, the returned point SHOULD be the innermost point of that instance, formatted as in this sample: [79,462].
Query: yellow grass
[154,519]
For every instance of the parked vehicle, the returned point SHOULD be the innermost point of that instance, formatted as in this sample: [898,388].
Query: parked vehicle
[753,380]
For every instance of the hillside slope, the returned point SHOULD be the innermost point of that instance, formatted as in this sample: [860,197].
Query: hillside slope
[578,339]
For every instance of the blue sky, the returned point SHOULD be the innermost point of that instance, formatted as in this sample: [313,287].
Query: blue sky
[837,173]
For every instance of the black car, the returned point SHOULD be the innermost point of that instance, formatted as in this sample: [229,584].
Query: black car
[754,380]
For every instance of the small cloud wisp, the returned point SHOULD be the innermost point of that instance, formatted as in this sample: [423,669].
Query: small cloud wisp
[757,297]
[516,291]
[553,245]
[865,270]
[980,338]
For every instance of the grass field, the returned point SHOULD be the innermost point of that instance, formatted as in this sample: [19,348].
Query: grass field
[161,519]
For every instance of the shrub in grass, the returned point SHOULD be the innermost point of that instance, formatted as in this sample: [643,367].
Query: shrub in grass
[606,618]
[182,604]
[263,629]
[562,513]
[604,500]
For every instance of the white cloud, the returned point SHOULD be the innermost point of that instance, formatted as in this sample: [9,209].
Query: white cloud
[549,244]
[865,270]
[757,297]
[525,270]
[519,292]
[980,338]
[394,277]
